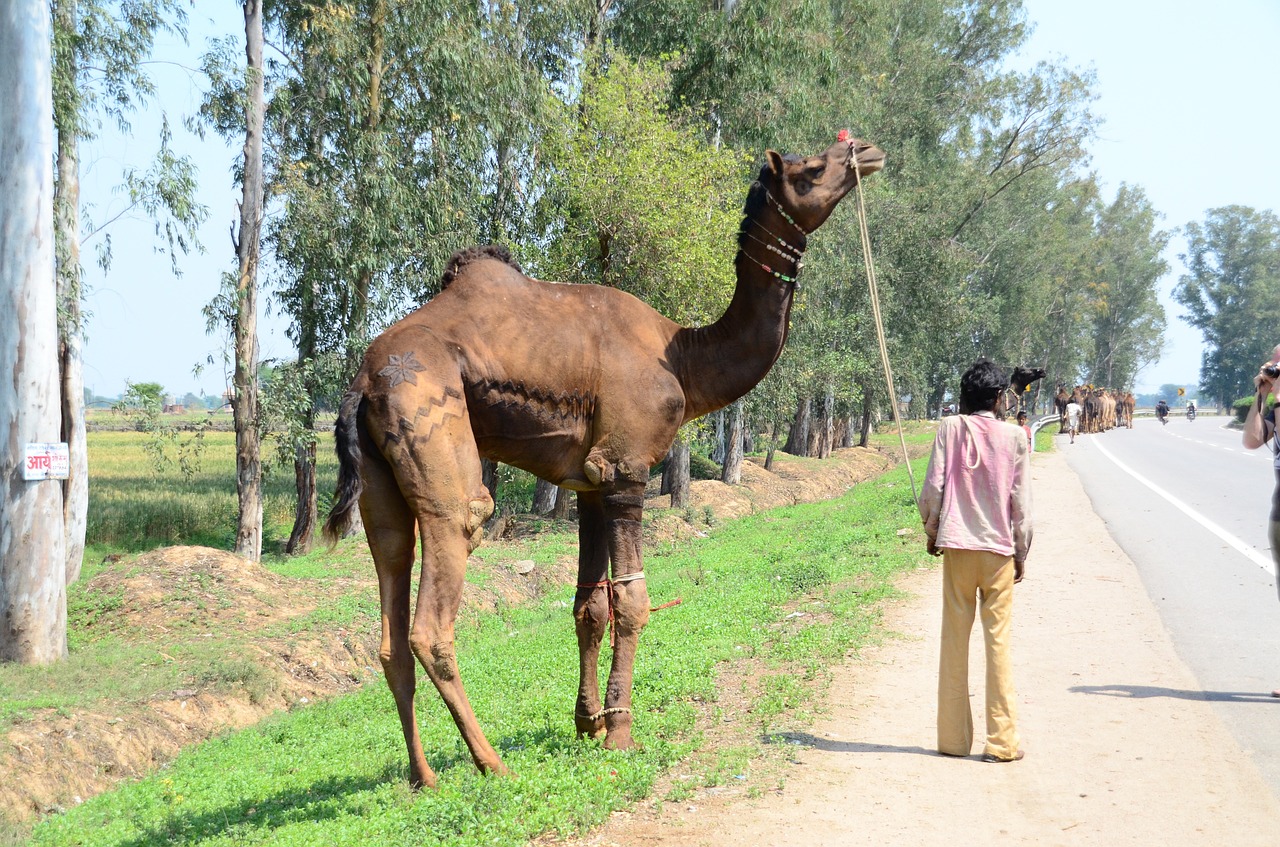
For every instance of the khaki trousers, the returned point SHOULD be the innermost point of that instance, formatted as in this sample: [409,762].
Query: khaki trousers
[966,576]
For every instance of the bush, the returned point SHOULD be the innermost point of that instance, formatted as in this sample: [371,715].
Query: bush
[1241,406]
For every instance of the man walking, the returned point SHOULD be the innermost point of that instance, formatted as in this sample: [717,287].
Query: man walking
[976,507]
[1073,419]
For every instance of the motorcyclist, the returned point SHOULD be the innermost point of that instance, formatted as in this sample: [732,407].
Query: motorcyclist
[1162,411]
[1191,410]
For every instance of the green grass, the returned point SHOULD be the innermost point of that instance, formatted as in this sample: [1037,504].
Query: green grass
[335,772]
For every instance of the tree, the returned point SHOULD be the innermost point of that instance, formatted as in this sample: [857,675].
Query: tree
[1127,316]
[1232,294]
[33,605]
[241,296]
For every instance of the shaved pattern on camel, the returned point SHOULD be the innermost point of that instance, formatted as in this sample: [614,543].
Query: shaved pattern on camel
[427,419]
[401,369]
[507,394]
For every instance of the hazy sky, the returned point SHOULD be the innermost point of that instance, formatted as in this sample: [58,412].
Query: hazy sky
[1186,96]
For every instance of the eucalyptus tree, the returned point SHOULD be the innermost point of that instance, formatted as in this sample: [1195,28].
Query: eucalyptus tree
[400,132]
[100,50]
[235,107]
[1232,294]
[1126,316]
[33,597]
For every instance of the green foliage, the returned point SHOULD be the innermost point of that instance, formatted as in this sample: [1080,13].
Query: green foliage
[639,200]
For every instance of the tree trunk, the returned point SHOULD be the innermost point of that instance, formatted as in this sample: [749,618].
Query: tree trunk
[489,476]
[732,471]
[545,495]
[798,437]
[675,474]
[561,510]
[826,427]
[244,404]
[33,562]
[305,516]
[66,210]
[718,452]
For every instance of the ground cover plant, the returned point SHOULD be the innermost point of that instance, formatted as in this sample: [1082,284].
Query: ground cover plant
[788,591]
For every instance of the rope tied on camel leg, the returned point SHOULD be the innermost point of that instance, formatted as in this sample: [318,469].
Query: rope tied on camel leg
[611,587]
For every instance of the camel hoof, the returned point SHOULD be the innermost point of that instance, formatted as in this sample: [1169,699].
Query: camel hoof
[588,728]
[620,739]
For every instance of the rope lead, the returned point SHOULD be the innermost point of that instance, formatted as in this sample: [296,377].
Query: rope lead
[874,292]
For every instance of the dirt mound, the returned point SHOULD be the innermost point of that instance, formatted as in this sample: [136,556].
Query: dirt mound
[191,588]
[267,655]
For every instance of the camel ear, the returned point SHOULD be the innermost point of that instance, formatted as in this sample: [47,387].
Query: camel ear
[774,160]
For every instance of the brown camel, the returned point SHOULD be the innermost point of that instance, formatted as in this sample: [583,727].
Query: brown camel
[581,385]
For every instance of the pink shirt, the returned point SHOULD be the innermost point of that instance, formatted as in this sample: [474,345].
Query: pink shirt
[977,491]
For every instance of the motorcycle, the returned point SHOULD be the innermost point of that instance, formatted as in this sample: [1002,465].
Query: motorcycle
[1191,413]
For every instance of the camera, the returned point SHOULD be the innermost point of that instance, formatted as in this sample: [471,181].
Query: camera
[1273,371]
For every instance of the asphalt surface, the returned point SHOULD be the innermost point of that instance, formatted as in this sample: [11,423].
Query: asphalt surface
[1189,506]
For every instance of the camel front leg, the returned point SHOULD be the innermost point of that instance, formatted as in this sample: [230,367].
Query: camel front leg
[591,610]
[622,510]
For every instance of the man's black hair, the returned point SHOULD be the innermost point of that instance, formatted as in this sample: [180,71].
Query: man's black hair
[980,387]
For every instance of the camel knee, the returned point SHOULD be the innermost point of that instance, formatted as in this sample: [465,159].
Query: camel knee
[631,611]
[591,610]
[479,510]
[437,656]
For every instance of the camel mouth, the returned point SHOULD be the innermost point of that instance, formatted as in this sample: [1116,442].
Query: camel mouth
[867,158]
[860,156]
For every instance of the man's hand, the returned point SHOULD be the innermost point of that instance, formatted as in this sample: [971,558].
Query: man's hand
[1019,570]
[933,547]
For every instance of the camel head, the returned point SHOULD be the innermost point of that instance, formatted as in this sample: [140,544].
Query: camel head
[809,187]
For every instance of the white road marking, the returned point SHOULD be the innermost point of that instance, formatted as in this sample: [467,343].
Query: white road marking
[1247,550]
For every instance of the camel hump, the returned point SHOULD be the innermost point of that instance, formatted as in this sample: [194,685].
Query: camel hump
[462,258]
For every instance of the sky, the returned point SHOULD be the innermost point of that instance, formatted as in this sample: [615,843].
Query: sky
[1185,96]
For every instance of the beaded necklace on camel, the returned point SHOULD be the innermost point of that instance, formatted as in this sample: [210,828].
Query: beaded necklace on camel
[787,250]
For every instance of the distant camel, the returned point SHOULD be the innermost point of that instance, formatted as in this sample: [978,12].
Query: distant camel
[581,385]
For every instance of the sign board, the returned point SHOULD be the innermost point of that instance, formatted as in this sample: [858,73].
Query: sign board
[46,461]
[1182,392]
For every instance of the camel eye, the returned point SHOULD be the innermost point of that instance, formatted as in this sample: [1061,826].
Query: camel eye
[815,172]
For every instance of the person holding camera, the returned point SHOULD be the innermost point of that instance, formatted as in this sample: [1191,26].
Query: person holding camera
[1260,428]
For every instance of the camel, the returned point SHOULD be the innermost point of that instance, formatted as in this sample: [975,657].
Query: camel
[1019,381]
[581,385]
[1060,401]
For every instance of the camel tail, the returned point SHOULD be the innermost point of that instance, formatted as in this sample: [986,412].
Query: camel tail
[346,436]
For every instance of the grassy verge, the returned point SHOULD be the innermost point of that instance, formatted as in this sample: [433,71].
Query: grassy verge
[334,772]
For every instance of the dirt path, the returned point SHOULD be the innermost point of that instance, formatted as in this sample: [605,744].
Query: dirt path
[1102,767]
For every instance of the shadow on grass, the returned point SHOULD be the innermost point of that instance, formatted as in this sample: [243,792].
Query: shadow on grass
[804,739]
[252,820]
[1145,691]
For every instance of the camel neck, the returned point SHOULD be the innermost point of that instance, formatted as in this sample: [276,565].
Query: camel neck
[719,363]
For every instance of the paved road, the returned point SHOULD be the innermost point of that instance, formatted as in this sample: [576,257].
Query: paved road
[1189,505]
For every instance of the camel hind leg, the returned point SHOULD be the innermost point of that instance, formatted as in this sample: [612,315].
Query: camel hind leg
[437,467]
[389,527]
